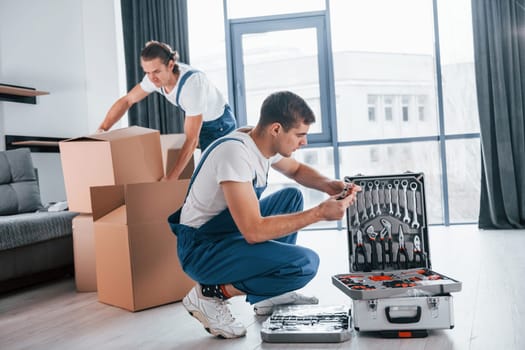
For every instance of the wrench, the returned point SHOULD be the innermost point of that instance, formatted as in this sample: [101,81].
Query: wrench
[390,211]
[406,218]
[356,214]
[362,184]
[398,212]
[371,214]
[415,223]
[378,209]
[383,186]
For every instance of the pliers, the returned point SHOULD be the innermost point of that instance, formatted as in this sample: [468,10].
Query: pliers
[418,256]
[386,232]
[372,234]
[401,250]
[360,250]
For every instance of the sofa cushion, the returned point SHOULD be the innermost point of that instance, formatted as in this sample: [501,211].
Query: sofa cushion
[18,183]
[30,228]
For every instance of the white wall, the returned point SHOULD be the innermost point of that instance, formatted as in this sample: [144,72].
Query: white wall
[71,48]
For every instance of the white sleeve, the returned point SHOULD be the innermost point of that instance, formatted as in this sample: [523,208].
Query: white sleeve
[233,163]
[194,94]
[147,85]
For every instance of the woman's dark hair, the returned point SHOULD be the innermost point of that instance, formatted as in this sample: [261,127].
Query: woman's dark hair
[155,49]
[287,109]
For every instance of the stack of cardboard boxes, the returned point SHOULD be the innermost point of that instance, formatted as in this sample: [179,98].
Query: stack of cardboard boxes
[123,246]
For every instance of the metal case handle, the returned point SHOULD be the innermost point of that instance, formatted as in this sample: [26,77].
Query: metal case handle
[404,319]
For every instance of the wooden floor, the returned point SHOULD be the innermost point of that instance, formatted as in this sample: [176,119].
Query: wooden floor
[489,311]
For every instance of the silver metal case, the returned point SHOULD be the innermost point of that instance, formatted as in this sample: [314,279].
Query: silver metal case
[404,314]
[390,280]
[307,324]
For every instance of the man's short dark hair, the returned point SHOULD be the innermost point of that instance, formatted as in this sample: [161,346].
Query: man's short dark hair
[287,109]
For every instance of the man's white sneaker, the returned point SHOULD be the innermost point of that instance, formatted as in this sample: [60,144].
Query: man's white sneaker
[265,307]
[213,313]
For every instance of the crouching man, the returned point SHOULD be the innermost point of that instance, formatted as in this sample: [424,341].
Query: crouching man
[234,243]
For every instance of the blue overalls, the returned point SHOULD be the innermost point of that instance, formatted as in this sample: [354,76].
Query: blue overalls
[213,129]
[217,253]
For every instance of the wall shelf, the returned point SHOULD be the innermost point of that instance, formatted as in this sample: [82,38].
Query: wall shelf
[20,94]
[34,143]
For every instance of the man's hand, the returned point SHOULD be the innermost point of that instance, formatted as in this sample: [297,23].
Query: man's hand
[334,208]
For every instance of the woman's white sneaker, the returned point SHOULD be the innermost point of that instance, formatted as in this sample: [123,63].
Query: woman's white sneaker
[265,307]
[213,313]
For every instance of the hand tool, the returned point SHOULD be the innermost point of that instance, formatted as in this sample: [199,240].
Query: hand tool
[372,234]
[378,209]
[390,211]
[404,184]
[401,250]
[362,184]
[415,222]
[344,193]
[360,250]
[356,221]
[370,190]
[418,257]
[386,231]
[383,203]
[396,185]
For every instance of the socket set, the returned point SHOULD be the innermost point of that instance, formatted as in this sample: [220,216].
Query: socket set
[307,324]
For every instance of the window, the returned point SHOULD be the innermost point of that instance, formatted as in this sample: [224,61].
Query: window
[421,108]
[374,154]
[388,104]
[372,106]
[383,87]
[405,107]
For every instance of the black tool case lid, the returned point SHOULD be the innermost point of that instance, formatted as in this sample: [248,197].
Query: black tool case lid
[388,234]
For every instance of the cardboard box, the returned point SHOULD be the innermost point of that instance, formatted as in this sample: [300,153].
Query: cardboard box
[170,145]
[123,156]
[84,253]
[136,252]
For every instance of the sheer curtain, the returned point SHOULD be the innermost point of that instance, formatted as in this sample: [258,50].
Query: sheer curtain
[161,20]
[499,47]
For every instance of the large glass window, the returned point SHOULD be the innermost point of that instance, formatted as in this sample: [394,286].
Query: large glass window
[457,67]
[398,158]
[377,51]
[207,47]
[381,84]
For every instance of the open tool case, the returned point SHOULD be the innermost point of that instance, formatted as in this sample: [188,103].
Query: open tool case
[391,283]
[307,324]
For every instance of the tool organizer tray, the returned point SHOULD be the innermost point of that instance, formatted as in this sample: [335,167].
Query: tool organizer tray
[413,282]
[307,324]
[388,240]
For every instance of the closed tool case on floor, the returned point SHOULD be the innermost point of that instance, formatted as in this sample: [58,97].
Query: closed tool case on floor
[393,288]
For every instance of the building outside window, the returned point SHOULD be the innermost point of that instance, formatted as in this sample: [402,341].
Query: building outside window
[384,75]
[372,107]
[405,107]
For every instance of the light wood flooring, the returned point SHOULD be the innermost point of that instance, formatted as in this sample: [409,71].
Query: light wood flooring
[489,311]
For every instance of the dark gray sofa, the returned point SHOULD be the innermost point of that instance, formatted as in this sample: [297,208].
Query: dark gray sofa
[35,245]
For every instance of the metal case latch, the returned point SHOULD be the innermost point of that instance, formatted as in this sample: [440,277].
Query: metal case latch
[433,305]
[372,307]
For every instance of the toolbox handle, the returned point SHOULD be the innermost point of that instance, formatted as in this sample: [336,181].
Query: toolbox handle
[404,319]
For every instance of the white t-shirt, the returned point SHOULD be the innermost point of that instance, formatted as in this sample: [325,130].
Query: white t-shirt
[198,94]
[230,161]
